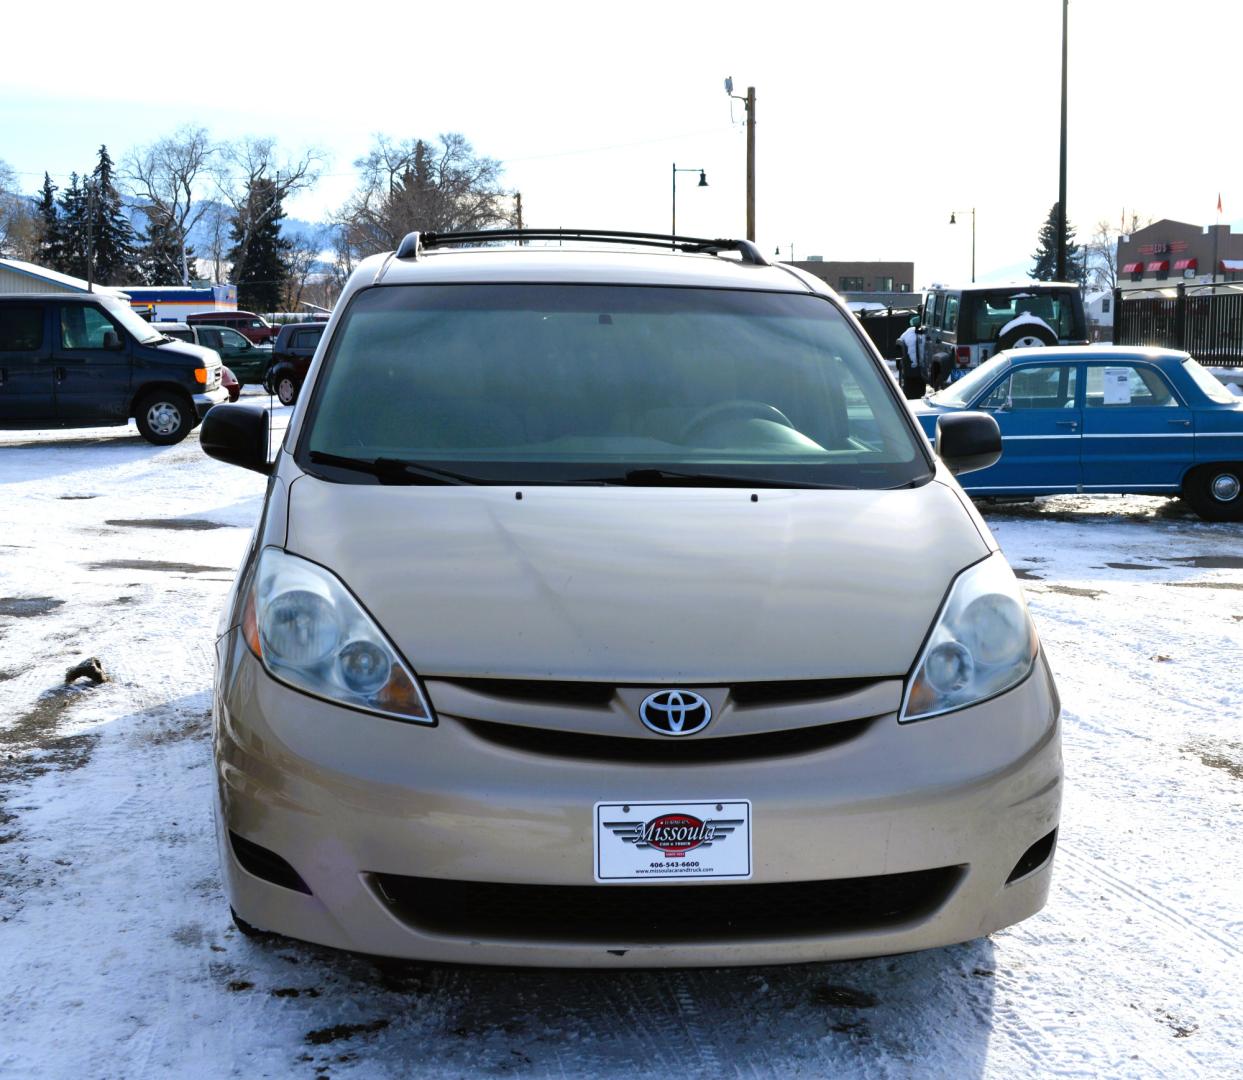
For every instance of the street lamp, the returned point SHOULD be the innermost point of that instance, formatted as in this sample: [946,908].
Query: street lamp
[953,221]
[703,182]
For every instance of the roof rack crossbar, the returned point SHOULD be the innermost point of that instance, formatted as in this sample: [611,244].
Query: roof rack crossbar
[413,242]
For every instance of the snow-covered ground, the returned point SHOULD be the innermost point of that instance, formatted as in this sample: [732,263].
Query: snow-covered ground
[118,957]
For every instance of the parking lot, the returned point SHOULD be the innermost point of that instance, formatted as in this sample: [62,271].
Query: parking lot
[119,958]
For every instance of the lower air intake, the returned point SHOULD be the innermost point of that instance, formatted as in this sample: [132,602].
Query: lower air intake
[665,913]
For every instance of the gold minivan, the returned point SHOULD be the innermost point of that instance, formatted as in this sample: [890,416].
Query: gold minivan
[609,608]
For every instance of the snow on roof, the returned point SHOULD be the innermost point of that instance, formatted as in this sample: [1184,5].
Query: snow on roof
[54,277]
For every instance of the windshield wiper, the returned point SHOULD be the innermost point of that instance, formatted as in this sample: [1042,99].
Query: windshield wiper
[671,478]
[394,470]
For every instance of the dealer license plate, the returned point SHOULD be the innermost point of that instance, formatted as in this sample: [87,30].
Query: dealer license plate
[677,841]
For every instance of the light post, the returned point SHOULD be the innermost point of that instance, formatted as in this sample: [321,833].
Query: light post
[954,221]
[703,182]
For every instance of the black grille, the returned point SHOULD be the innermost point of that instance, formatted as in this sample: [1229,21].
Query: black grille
[658,749]
[541,691]
[745,695]
[642,914]
[757,695]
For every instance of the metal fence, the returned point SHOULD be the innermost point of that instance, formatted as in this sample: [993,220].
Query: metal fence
[884,328]
[1207,325]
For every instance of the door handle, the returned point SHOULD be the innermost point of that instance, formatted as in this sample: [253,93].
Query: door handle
[1068,425]
[1180,423]
[4,373]
[60,374]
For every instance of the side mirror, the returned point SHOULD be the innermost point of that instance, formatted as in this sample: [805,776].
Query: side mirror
[112,341]
[237,435]
[965,441]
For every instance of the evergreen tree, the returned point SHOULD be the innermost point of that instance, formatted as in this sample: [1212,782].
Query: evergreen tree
[71,251]
[115,254]
[1046,252]
[260,254]
[159,256]
[48,252]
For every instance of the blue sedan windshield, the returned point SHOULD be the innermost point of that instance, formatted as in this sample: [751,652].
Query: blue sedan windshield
[965,389]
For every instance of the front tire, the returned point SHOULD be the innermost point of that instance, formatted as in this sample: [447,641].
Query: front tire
[1215,492]
[164,417]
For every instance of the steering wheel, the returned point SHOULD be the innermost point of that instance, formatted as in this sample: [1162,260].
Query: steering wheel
[742,408]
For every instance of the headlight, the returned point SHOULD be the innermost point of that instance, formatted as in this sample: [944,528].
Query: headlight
[310,633]
[983,643]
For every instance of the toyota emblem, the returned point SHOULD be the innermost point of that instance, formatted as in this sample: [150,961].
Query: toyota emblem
[675,712]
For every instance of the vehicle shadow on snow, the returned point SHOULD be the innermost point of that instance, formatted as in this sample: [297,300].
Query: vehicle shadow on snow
[929,1011]
[44,455]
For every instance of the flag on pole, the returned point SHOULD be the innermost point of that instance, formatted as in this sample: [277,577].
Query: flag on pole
[1219,202]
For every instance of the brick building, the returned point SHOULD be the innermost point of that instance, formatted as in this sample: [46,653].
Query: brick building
[1167,252]
[862,277]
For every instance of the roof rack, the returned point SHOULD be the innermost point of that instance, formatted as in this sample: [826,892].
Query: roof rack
[414,242]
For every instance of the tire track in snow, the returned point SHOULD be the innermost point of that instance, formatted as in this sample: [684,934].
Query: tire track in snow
[1166,912]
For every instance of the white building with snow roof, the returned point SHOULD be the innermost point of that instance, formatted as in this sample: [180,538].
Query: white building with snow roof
[17,277]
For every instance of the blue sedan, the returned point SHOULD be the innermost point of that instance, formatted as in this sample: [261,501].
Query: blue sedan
[1104,418]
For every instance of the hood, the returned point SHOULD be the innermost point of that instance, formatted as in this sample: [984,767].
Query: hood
[926,413]
[642,585]
[198,353]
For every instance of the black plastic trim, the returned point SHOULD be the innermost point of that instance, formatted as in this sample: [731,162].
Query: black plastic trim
[266,865]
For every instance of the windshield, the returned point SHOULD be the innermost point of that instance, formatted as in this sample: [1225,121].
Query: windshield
[138,328]
[565,383]
[965,389]
[986,313]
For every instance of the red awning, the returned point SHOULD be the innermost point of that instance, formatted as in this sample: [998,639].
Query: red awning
[1133,268]
[1185,264]
[1158,266]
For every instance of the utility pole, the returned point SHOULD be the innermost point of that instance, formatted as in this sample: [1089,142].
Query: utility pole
[751,163]
[90,235]
[1061,182]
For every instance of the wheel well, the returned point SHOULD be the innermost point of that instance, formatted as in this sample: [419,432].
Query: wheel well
[159,387]
[1205,466]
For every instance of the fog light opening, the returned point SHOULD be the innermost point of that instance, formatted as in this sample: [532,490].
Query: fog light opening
[266,864]
[1033,858]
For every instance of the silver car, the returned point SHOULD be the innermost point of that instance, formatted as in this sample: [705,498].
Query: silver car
[608,608]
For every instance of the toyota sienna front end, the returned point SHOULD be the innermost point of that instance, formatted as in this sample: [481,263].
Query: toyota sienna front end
[608,608]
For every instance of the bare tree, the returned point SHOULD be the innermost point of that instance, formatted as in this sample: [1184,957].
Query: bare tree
[246,164]
[216,219]
[438,186]
[303,257]
[1103,257]
[20,226]
[165,175]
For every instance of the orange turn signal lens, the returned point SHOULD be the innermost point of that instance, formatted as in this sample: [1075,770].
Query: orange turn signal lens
[250,625]
[400,696]
[200,375]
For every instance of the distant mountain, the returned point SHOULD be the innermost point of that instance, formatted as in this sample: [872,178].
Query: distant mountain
[201,234]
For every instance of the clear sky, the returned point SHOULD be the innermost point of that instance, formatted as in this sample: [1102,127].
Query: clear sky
[875,120]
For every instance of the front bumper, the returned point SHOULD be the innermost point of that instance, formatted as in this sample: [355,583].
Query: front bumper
[204,401]
[349,801]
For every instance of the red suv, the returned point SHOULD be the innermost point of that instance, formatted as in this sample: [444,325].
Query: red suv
[258,331]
